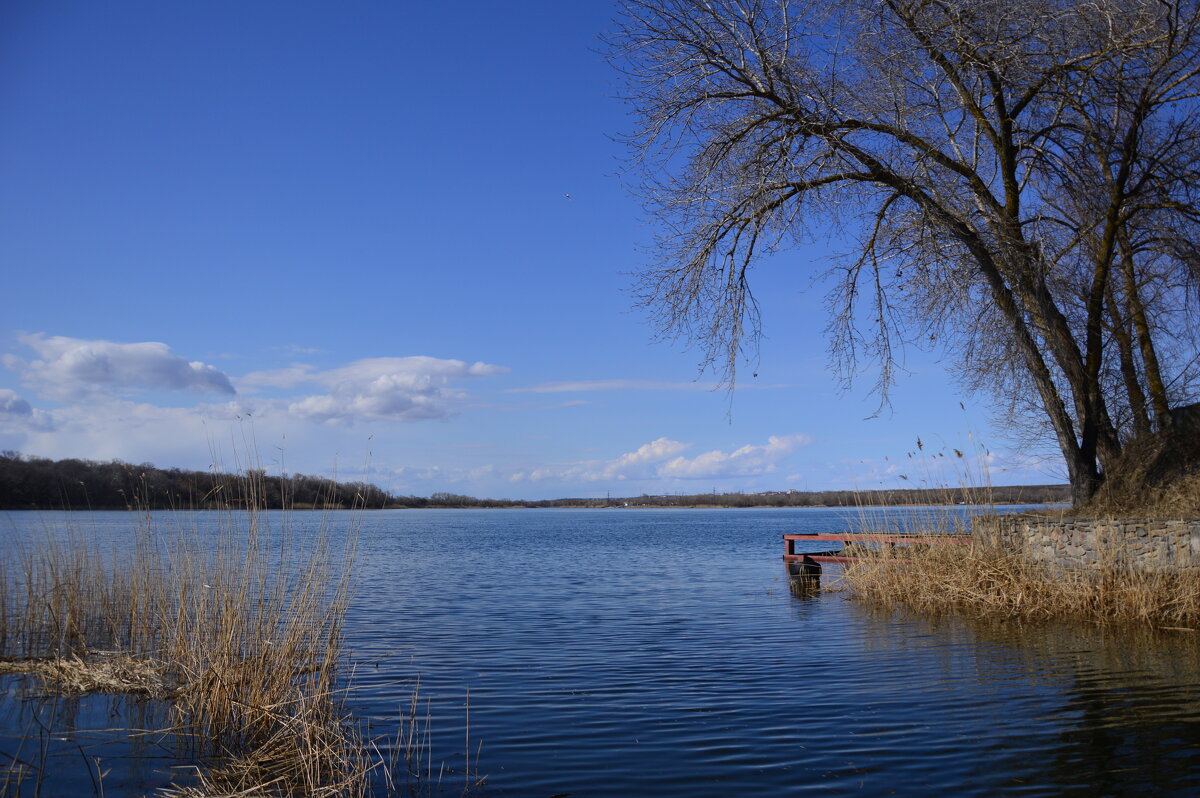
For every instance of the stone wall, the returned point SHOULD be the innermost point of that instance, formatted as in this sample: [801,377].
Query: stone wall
[1144,545]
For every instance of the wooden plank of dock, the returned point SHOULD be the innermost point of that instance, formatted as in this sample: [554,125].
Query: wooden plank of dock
[889,541]
[870,537]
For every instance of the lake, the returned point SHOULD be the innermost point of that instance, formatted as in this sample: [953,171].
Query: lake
[660,652]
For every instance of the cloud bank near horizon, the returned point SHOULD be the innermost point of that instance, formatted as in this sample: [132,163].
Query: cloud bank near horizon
[663,459]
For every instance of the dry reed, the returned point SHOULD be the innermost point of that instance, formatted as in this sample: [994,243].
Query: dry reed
[102,672]
[984,581]
[239,630]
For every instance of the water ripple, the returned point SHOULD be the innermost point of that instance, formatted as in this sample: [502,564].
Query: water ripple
[660,653]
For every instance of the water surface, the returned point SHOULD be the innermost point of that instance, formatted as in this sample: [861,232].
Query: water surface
[660,652]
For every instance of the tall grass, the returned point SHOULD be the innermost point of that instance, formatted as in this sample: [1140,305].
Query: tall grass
[240,629]
[982,580]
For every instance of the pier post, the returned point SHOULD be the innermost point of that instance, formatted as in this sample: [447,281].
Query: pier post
[804,569]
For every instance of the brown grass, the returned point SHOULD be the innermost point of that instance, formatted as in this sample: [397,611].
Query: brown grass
[241,632]
[103,672]
[981,581]
[1158,476]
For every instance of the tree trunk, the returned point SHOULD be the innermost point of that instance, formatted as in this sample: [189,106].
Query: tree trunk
[1084,477]
[1141,328]
[1129,373]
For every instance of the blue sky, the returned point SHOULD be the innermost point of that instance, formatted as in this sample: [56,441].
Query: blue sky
[390,241]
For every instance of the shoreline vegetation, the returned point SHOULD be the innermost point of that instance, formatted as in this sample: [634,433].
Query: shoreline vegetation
[237,632]
[37,483]
[983,581]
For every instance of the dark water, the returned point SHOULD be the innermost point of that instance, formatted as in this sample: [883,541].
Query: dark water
[660,652]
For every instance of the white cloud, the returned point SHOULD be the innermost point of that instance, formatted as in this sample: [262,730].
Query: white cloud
[18,417]
[648,454]
[70,368]
[394,397]
[746,461]
[11,404]
[662,459]
[370,368]
[90,375]
[389,388]
[640,463]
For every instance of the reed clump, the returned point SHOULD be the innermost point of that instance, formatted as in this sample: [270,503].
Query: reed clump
[982,580]
[239,630]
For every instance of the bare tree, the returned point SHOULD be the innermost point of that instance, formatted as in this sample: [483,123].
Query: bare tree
[1022,175]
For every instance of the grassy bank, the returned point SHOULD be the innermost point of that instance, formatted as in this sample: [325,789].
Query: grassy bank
[984,581]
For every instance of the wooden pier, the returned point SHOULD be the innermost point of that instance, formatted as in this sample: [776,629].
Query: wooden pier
[808,564]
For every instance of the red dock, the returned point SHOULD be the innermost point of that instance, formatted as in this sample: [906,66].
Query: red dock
[889,542]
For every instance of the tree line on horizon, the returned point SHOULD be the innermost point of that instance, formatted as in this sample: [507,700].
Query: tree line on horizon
[39,483]
[1001,494]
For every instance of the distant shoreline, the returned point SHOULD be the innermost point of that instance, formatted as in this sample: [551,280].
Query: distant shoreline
[512,507]
[36,483]
[544,505]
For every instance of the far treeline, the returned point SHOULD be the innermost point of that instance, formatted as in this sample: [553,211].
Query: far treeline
[1007,494]
[37,483]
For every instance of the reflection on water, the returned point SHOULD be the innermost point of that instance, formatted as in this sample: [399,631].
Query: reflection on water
[83,745]
[1108,712]
[656,652]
